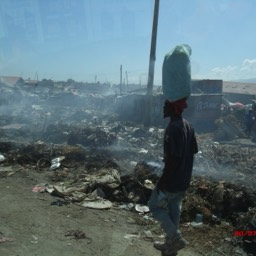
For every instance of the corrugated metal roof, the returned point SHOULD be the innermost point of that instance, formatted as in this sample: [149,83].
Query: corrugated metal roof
[10,80]
[239,88]
[31,82]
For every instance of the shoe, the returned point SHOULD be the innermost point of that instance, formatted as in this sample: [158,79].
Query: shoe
[162,246]
[177,244]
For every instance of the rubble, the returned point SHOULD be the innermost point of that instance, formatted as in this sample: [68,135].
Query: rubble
[98,161]
[77,234]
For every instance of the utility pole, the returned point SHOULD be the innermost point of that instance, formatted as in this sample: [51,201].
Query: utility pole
[126,77]
[151,69]
[121,78]
[153,50]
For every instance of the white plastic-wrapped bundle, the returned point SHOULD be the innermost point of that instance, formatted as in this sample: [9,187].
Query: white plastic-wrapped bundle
[176,73]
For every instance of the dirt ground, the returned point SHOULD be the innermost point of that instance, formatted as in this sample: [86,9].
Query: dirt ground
[92,137]
[36,227]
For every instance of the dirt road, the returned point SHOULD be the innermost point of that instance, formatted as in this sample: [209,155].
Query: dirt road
[35,227]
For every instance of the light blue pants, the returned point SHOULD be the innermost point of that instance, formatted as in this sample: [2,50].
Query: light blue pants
[166,209]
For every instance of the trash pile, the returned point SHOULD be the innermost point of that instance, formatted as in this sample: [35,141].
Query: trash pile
[97,161]
[228,128]
[234,161]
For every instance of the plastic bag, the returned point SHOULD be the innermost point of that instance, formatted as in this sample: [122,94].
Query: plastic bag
[55,163]
[2,158]
[176,73]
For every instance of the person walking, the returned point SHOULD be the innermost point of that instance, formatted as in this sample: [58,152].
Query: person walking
[165,202]
[249,122]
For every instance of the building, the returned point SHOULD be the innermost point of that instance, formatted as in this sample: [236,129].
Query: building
[239,92]
[11,81]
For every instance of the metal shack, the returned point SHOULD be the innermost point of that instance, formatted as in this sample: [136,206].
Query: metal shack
[204,106]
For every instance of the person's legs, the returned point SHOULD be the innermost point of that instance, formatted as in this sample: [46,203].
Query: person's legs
[166,208]
[174,207]
[158,204]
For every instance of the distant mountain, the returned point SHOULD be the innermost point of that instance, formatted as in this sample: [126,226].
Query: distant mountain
[251,80]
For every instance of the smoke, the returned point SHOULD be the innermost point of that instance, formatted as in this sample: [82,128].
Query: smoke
[204,166]
[49,114]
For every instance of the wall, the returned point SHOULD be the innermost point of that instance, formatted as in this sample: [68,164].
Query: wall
[202,110]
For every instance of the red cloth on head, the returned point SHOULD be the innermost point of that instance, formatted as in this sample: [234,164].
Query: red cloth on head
[179,105]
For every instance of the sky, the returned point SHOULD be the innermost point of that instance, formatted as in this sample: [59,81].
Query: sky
[93,40]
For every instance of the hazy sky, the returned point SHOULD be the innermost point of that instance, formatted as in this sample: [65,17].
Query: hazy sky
[89,40]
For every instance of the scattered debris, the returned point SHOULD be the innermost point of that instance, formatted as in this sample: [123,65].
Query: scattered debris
[39,188]
[77,234]
[59,203]
[141,208]
[2,158]
[99,204]
[100,161]
[5,239]
[55,163]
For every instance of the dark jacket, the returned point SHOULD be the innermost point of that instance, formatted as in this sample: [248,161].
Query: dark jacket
[180,145]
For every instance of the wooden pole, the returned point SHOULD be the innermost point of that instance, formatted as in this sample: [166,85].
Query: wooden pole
[151,69]
[121,78]
[153,50]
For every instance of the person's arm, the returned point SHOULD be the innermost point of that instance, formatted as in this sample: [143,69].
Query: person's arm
[171,165]
[195,145]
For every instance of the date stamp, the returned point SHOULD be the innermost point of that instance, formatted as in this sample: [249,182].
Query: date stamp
[244,232]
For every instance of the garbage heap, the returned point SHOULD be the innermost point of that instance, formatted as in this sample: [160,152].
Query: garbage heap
[104,162]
